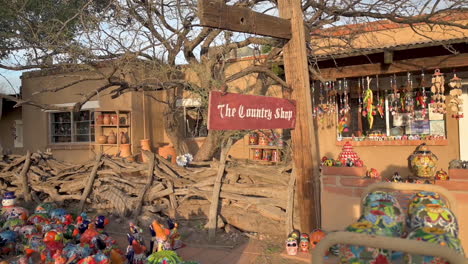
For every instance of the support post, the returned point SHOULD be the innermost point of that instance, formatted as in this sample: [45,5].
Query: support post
[297,77]
[90,182]
[24,177]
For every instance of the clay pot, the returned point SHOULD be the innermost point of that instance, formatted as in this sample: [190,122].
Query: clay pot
[106,119]
[100,119]
[112,139]
[102,139]
[123,138]
[145,145]
[126,151]
[114,120]
[168,152]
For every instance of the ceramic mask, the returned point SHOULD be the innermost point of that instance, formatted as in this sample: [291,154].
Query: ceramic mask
[315,237]
[291,246]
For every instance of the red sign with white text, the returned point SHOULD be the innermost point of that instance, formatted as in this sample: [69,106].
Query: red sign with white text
[230,111]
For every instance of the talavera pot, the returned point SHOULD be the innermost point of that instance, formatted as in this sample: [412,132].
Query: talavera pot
[432,235]
[423,162]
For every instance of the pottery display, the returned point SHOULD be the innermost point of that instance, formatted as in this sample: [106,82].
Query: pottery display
[106,120]
[114,120]
[253,138]
[275,155]
[257,154]
[434,215]
[266,156]
[379,196]
[125,150]
[432,235]
[111,139]
[102,139]
[423,162]
[385,215]
[360,254]
[347,156]
[99,119]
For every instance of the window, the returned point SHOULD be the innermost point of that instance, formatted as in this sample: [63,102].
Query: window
[18,142]
[69,127]
[402,113]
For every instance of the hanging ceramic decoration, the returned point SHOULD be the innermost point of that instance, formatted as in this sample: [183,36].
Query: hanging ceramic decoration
[380,100]
[368,110]
[432,235]
[438,89]
[423,162]
[409,98]
[456,103]
[434,215]
[364,255]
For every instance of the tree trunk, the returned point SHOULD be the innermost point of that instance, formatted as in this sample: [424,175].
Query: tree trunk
[211,145]
[174,124]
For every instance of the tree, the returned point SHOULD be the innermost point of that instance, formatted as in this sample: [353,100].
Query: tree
[162,34]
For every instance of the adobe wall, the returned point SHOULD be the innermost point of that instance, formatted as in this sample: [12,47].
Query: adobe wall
[7,129]
[340,200]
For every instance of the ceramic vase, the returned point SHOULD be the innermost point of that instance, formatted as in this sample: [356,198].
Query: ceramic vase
[387,216]
[434,215]
[126,151]
[168,152]
[423,162]
[123,138]
[106,119]
[102,139]
[432,235]
[364,255]
[111,139]
[424,198]
[114,120]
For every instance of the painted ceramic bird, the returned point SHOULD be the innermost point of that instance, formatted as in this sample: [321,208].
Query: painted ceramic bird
[159,234]
[135,251]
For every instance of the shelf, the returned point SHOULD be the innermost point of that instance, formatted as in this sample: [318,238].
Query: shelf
[265,147]
[97,144]
[433,142]
[61,135]
[112,125]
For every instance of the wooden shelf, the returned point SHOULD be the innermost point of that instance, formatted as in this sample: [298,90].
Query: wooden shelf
[435,142]
[97,144]
[112,125]
[265,147]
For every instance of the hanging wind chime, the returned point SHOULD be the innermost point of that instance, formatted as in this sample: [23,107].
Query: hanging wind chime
[456,103]
[409,99]
[437,89]
[421,97]
[344,107]
[380,100]
[395,99]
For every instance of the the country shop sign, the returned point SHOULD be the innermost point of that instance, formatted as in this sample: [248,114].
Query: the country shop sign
[230,111]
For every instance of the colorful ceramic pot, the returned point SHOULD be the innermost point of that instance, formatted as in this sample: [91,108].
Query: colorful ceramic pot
[424,198]
[267,153]
[263,140]
[379,196]
[434,215]
[432,235]
[253,139]
[364,255]
[257,154]
[442,175]
[386,215]
[423,162]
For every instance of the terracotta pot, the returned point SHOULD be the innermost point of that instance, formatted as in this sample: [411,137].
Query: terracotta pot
[123,138]
[145,145]
[126,151]
[112,139]
[106,120]
[100,119]
[114,120]
[168,152]
[102,139]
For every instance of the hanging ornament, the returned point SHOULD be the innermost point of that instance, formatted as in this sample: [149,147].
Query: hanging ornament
[380,100]
[456,103]
[437,89]
[409,99]
[368,104]
[395,98]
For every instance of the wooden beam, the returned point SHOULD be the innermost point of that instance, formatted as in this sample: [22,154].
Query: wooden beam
[419,64]
[297,77]
[216,14]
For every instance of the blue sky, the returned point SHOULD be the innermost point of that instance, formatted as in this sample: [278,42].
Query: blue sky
[13,77]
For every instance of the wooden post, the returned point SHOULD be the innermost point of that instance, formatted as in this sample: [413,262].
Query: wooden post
[90,182]
[213,214]
[149,181]
[290,203]
[24,177]
[297,76]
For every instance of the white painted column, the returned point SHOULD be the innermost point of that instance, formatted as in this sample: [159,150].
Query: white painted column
[463,126]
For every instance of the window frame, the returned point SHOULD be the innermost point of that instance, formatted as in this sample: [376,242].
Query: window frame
[19,133]
[73,135]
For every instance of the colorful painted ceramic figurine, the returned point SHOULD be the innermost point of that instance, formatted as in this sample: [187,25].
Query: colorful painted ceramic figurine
[304,242]
[373,174]
[291,246]
[159,240]
[315,237]
[136,252]
[396,177]
[442,175]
